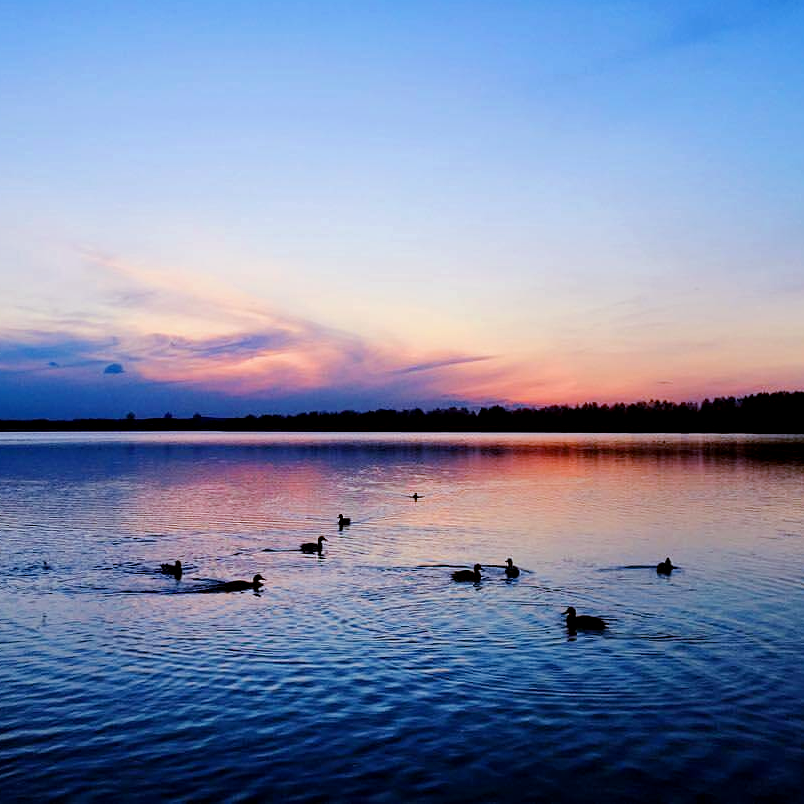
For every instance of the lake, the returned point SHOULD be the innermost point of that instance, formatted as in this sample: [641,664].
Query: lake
[366,674]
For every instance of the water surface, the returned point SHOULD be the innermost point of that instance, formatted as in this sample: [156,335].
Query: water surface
[366,674]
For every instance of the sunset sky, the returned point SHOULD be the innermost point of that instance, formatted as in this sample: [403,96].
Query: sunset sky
[248,207]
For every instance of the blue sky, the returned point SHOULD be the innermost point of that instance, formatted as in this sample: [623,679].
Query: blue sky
[288,206]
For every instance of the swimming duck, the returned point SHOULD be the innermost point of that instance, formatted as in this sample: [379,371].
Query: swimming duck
[172,570]
[512,571]
[342,521]
[666,567]
[582,621]
[467,575]
[313,547]
[237,586]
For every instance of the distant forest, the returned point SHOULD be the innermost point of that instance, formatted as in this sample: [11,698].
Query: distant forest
[777,412]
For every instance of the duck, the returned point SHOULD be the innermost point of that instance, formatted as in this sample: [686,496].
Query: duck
[666,567]
[313,547]
[582,621]
[172,570]
[237,586]
[512,571]
[342,521]
[467,575]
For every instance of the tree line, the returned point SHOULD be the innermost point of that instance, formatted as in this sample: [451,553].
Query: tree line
[766,412]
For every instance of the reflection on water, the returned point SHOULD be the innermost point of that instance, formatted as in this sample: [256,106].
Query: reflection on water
[363,672]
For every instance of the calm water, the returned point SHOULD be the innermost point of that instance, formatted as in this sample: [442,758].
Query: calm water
[366,674]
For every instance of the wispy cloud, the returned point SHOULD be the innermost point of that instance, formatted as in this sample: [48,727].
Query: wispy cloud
[437,364]
[701,26]
[172,329]
[707,23]
[33,349]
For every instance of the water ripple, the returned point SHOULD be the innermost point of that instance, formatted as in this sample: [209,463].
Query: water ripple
[121,683]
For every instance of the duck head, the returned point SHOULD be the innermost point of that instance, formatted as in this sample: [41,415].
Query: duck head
[477,568]
[257,580]
[569,611]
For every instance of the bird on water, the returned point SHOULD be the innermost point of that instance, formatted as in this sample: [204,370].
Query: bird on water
[467,575]
[666,567]
[313,547]
[342,521]
[512,571]
[582,621]
[237,586]
[172,570]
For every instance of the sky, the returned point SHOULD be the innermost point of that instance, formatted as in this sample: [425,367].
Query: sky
[256,207]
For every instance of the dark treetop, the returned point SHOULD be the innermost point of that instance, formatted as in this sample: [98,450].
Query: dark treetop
[777,412]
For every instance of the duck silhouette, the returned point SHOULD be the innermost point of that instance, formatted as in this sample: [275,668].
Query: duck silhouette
[666,567]
[512,571]
[236,586]
[342,521]
[467,575]
[415,496]
[582,621]
[313,547]
[172,570]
